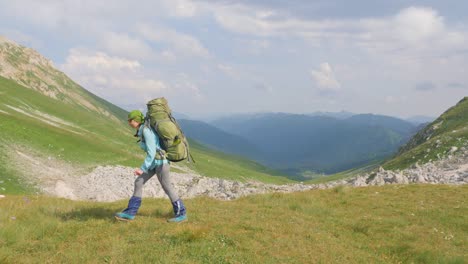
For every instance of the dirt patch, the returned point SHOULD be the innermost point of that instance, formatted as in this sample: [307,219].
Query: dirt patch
[49,175]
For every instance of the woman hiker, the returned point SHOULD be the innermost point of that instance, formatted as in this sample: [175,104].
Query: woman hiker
[154,164]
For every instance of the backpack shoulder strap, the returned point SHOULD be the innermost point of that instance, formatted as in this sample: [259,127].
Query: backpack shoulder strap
[142,137]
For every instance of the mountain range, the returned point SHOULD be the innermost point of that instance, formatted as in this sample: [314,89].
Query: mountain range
[297,144]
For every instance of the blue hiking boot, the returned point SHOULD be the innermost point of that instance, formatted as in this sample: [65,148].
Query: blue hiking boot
[177,219]
[179,212]
[129,213]
[124,217]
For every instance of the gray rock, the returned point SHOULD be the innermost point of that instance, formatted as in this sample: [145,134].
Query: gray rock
[359,182]
[110,183]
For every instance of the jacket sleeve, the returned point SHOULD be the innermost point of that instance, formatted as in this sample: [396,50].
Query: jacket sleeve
[150,141]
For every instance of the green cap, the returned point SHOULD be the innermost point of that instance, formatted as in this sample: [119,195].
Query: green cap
[136,115]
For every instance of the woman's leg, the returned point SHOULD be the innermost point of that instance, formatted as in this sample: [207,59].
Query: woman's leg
[163,173]
[140,181]
[135,201]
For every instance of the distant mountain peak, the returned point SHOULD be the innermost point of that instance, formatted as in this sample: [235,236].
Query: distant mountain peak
[13,49]
[30,69]
[5,40]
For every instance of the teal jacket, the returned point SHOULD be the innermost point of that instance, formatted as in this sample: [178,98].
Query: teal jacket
[149,144]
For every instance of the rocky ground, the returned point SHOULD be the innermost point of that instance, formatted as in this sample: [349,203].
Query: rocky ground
[111,183]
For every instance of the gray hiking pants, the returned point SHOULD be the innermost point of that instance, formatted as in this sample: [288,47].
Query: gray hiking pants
[164,178]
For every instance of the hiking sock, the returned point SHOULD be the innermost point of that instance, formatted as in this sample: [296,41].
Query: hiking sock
[179,208]
[133,205]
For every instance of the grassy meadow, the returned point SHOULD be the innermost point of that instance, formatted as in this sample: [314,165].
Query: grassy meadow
[389,224]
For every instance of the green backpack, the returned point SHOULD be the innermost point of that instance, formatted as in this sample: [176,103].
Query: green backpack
[171,137]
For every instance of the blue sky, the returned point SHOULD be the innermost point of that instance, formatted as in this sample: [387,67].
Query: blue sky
[398,58]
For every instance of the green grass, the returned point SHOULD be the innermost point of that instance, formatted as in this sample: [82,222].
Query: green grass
[10,183]
[89,145]
[436,140]
[389,224]
[344,174]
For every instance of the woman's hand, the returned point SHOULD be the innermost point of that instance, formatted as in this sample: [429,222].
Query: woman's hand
[138,172]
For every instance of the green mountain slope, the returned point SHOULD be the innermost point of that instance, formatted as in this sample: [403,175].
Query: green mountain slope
[444,136]
[67,124]
[39,125]
[30,69]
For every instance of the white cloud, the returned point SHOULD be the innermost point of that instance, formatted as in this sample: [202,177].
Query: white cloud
[373,56]
[325,79]
[98,61]
[228,70]
[392,99]
[248,20]
[411,29]
[415,24]
[72,17]
[407,46]
[256,46]
[58,13]
[184,85]
[115,78]
[263,87]
[97,20]
[124,45]
[180,43]
[124,81]
[168,56]
[181,8]
[416,43]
